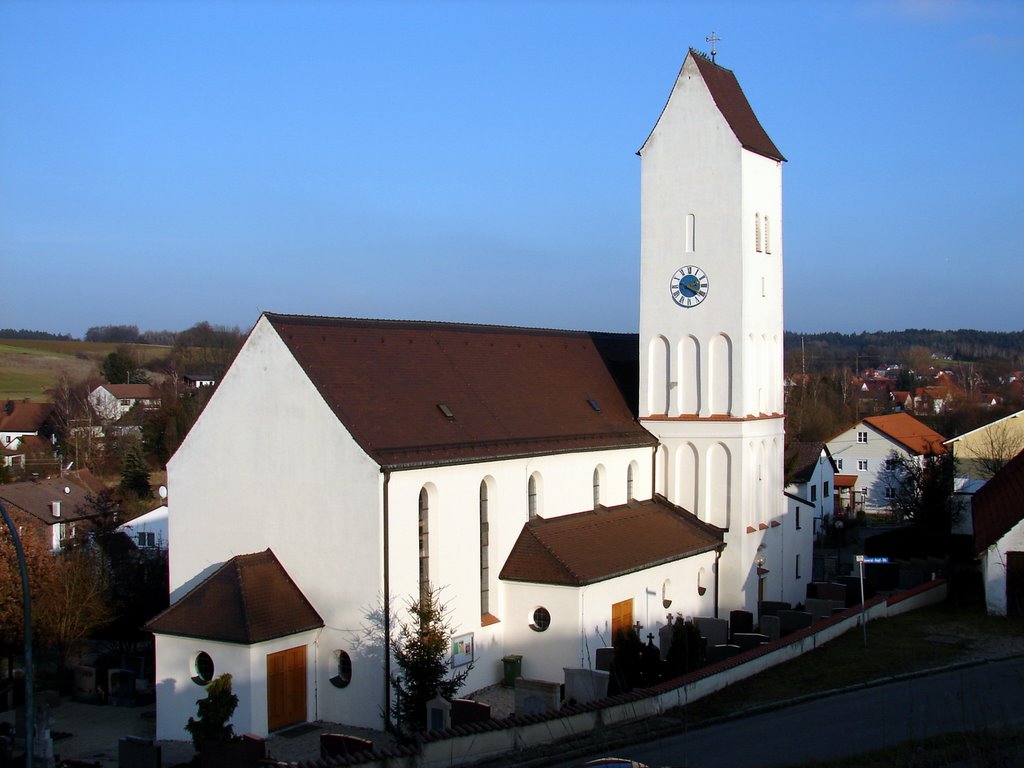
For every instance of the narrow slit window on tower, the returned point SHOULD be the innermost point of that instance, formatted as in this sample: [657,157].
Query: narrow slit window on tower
[690,234]
[597,488]
[767,237]
[757,232]
[531,494]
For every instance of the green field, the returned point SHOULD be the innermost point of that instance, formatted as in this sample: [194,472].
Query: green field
[28,368]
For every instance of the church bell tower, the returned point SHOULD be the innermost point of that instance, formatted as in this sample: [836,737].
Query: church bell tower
[711,327]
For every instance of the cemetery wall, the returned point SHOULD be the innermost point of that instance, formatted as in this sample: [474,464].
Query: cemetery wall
[477,742]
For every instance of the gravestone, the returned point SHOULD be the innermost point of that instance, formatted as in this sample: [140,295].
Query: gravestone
[85,685]
[770,627]
[465,711]
[715,630]
[831,591]
[717,653]
[748,640]
[439,714]
[535,697]
[791,621]
[911,577]
[771,607]
[741,621]
[121,687]
[585,685]
[604,658]
[823,609]
[665,638]
[852,584]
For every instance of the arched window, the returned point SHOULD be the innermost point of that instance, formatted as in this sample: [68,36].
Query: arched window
[424,546]
[690,233]
[485,566]
[597,487]
[757,232]
[767,237]
[629,483]
[531,492]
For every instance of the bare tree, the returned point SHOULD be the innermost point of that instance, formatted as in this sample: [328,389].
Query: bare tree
[993,448]
[920,489]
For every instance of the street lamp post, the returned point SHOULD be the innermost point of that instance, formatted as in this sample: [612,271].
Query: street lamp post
[26,603]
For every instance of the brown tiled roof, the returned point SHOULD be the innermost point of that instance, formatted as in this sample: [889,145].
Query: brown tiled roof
[133,391]
[587,547]
[249,599]
[909,432]
[23,416]
[733,105]
[845,481]
[999,504]
[803,457]
[414,393]
[35,498]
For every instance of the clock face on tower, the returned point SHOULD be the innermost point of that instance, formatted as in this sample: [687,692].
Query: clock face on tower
[689,286]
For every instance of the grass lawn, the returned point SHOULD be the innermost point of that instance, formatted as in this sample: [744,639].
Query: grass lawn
[930,637]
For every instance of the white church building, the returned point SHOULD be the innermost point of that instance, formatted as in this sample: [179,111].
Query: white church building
[557,486]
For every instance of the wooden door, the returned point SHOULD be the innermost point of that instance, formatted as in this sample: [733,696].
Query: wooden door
[286,688]
[622,617]
[1015,583]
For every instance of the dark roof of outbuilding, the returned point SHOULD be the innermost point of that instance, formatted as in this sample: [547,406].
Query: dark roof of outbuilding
[418,393]
[587,547]
[803,458]
[732,103]
[249,599]
[999,504]
[35,498]
[23,416]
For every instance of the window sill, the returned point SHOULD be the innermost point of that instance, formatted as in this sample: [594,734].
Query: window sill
[488,619]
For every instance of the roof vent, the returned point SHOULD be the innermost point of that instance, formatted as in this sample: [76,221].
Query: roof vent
[446,411]
[594,404]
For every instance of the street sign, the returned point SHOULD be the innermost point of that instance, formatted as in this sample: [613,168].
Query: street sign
[872,560]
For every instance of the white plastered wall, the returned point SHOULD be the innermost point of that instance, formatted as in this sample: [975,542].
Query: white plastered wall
[581,616]
[994,568]
[454,491]
[268,465]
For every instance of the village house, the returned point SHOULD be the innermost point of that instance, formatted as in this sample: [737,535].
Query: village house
[865,448]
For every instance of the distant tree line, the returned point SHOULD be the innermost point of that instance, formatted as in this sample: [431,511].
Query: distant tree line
[825,351]
[21,333]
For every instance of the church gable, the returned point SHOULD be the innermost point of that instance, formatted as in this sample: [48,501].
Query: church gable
[414,393]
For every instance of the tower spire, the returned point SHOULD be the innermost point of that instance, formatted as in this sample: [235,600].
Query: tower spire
[713,39]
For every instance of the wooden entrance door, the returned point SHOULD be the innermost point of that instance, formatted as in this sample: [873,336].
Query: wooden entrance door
[1015,583]
[286,688]
[622,617]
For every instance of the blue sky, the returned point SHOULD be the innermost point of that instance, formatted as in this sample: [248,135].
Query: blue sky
[164,163]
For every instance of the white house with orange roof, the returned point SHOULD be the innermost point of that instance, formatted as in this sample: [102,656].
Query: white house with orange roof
[863,450]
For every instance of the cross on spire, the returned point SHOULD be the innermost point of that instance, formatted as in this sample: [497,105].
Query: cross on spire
[713,39]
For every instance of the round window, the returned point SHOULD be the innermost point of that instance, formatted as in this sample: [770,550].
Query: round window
[541,619]
[342,669]
[202,668]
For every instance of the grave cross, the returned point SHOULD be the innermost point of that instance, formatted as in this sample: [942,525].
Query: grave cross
[638,626]
[713,39]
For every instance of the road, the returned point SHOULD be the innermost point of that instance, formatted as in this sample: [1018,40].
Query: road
[962,700]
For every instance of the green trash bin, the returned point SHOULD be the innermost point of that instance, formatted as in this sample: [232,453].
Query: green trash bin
[513,669]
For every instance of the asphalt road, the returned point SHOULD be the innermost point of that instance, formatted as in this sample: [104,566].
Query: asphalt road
[962,700]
